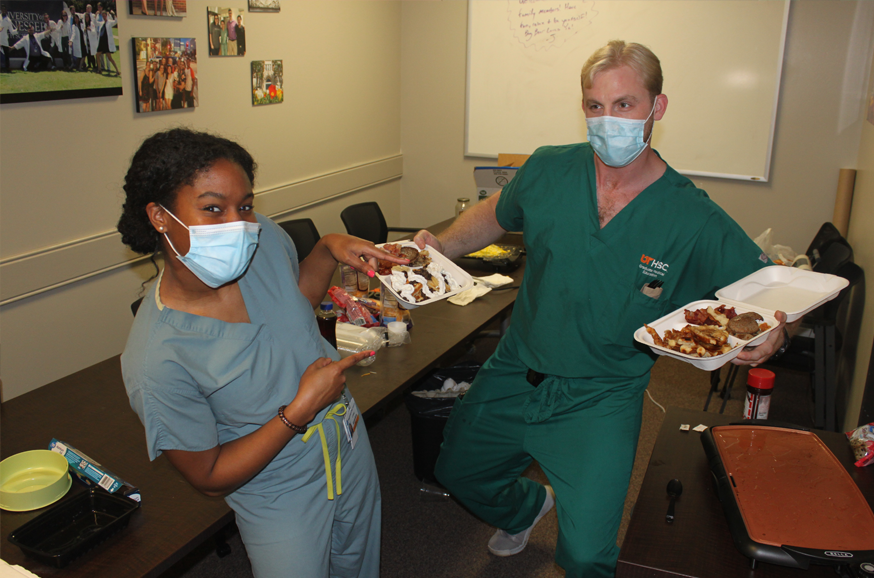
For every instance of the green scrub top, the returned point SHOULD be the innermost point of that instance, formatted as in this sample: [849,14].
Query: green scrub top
[580,300]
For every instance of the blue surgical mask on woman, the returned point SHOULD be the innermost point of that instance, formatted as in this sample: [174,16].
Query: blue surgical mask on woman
[617,141]
[220,253]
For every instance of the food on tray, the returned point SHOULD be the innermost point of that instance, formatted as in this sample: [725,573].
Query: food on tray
[708,331]
[490,252]
[745,326]
[419,281]
[694,340]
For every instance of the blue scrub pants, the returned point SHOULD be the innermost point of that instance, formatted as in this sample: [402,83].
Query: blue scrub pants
[584,439]
[303,533]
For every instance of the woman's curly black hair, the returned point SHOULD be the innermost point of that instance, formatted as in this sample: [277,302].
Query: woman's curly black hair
[164,163]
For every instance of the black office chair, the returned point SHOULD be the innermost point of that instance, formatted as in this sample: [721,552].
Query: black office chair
[303,233]
[365,220]
[134,307]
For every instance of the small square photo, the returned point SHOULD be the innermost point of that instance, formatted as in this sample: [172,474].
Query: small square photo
[177,8]
[263,5]
[225,31]
[166,73]
[266,82]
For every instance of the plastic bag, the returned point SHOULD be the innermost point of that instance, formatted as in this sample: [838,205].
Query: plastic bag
[862,442]
[353,339]
[779,254]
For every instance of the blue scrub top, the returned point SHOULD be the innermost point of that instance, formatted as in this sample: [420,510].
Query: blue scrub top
[196,382]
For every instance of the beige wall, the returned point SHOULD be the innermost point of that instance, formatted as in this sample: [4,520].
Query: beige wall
[815,135]
[334,141]
[861,237]
[819,128]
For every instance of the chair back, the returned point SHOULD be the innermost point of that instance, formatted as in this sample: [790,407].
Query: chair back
[827,235]
[365,220]
[303,234]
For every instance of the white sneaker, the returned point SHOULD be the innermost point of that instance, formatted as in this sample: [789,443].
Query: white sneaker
[504,544]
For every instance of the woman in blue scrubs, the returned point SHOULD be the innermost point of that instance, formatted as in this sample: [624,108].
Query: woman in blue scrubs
[227,370]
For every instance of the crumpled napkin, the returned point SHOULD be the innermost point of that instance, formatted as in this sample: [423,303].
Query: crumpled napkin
[478,290]
[495,280]
[450,389]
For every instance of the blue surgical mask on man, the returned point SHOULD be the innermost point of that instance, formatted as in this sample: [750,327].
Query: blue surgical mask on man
[221,253]
[618,141]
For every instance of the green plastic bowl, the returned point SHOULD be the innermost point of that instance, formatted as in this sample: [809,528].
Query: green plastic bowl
[32,480]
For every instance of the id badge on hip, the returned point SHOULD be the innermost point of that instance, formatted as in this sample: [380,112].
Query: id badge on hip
[350,422]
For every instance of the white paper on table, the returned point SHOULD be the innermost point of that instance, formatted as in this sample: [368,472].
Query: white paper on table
[12,571]
[494,281]
[465,297]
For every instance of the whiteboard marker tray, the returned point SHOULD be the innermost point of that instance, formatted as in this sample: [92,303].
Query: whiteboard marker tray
[677,321]
[778,288]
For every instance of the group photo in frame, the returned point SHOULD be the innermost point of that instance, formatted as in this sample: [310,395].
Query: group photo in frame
[263,5]
[166,73]
[266,82]
[55,50]
[226,31]
[171,8]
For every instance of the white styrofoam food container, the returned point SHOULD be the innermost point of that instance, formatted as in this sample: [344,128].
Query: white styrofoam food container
[460,275]
[794,291]
[677,321]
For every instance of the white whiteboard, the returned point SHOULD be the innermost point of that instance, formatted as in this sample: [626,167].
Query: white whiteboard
[721,61]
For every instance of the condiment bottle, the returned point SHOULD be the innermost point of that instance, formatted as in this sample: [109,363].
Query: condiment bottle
[760,384]
[462,205]
[327,320]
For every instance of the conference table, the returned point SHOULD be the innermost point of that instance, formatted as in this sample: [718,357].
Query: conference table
[90,410]
[698,544]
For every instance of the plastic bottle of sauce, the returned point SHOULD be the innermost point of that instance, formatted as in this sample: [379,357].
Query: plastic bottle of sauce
[760,384]
[327,320]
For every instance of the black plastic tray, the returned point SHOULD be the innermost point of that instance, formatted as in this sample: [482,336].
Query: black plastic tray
[493,264]
[72,527]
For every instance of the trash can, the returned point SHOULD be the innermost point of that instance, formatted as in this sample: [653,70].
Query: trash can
[428,417]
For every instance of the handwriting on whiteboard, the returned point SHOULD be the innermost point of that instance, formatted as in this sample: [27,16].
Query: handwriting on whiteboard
[545,24]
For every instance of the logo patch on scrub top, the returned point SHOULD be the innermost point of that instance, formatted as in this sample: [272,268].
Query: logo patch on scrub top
[763,258]
[652,266]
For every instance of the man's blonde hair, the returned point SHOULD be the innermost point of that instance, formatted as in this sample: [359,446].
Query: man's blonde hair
[618,53]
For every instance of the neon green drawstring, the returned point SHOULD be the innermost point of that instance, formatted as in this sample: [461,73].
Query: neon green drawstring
[337,410]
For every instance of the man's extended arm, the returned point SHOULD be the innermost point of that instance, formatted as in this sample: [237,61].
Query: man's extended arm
[474,229]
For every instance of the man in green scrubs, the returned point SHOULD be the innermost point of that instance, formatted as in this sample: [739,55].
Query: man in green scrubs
[604,222]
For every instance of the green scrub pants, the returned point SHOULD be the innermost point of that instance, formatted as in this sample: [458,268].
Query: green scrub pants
[584,439]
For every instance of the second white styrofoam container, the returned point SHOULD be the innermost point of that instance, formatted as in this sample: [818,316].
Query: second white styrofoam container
[794,291]
[677,320]
[460,275]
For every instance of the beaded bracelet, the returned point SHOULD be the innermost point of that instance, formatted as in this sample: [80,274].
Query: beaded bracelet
[301,429]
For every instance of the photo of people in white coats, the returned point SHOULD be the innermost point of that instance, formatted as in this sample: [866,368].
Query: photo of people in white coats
[46,45]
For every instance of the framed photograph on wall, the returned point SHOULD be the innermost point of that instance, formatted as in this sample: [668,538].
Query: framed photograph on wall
[170,8]
[263,5]
[266,82]
[166,73]
[59,50]
[224,31]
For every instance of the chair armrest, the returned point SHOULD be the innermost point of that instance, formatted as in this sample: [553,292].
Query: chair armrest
[403,230]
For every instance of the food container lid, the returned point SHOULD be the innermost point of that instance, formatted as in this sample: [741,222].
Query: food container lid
[761,378]
[778,288]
